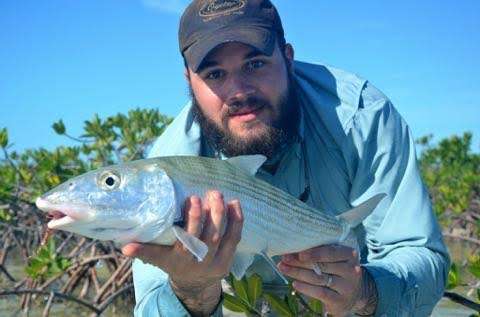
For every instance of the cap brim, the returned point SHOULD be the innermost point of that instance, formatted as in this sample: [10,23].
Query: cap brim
[259,38]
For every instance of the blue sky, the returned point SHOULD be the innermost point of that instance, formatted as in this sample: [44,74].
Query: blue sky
[69,59]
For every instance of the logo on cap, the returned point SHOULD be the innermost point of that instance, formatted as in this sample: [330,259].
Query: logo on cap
[220,7]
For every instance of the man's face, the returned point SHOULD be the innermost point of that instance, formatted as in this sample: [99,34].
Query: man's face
[243,99]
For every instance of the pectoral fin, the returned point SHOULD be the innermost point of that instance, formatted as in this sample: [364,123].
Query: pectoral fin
[193,244]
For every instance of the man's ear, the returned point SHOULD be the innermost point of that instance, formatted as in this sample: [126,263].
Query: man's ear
[289,56]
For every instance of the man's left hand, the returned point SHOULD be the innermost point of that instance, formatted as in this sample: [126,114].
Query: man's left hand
[338,285]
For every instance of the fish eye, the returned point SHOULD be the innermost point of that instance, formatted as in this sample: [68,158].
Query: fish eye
[109,180]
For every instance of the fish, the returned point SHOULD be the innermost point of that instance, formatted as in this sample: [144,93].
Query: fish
[142,201]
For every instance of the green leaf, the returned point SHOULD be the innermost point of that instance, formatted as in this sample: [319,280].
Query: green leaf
[255,287]
[51,247]
[292,302]
[474,270]
[453,276]
[26,176]
[279,305]
[54,268]
[36,267]
[478,294]
[315,305]
[240,288]
[5,216]
[234,304]
[59,127]
[37,263]
[3,138]
[31,272]
[44,255]
[64,263]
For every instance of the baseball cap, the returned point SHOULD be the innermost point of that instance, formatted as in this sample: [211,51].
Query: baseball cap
[205,24]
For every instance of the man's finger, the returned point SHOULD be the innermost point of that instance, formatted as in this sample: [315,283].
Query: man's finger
[337,268]
[303,275]
[292,260]
[325,294]
[333,302]
[216,219]
[194,216]
[235,220]
[234,231]
[329,253]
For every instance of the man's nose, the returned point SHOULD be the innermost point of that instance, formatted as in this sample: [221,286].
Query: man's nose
[239,89]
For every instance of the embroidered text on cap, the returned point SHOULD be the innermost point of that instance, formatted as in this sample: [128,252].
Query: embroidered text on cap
[218,7]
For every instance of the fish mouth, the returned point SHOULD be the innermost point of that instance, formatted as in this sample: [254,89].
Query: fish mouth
[61,216]
[59,220]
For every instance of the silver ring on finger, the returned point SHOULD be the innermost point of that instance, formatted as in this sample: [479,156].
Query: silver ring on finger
[329,281]
[316,268]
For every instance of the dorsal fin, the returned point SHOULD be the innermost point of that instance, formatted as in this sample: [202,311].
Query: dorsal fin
[248,163]
[355,216]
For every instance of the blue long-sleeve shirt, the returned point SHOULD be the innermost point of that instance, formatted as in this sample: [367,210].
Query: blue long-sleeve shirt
[355,145]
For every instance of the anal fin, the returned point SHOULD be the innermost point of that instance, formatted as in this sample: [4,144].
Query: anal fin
[274,266]
[241,262]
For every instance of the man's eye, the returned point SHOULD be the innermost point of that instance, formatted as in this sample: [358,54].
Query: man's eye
[216,74]
[255,64]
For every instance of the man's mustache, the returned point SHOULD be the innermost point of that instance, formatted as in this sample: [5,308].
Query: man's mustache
[250,103]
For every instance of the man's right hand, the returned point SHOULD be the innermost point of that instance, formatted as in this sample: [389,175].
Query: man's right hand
[198,284]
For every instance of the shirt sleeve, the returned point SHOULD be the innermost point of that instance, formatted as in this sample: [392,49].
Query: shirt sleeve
[153,294]
[406,255]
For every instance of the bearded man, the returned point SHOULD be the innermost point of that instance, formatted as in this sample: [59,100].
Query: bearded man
[331,139]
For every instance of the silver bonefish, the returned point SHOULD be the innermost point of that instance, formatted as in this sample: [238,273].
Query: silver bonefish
[142,201]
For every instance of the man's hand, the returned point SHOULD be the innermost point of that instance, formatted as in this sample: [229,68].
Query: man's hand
[343,286]
[198,284]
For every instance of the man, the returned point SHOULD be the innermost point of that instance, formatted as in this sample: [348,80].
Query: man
[331,139]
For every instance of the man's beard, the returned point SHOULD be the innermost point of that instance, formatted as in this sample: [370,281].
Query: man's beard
[281,131]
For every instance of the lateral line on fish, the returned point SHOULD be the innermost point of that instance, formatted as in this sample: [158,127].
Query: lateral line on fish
[274,196]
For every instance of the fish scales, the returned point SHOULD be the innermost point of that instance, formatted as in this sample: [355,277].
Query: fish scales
[258,190]
[276,211]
